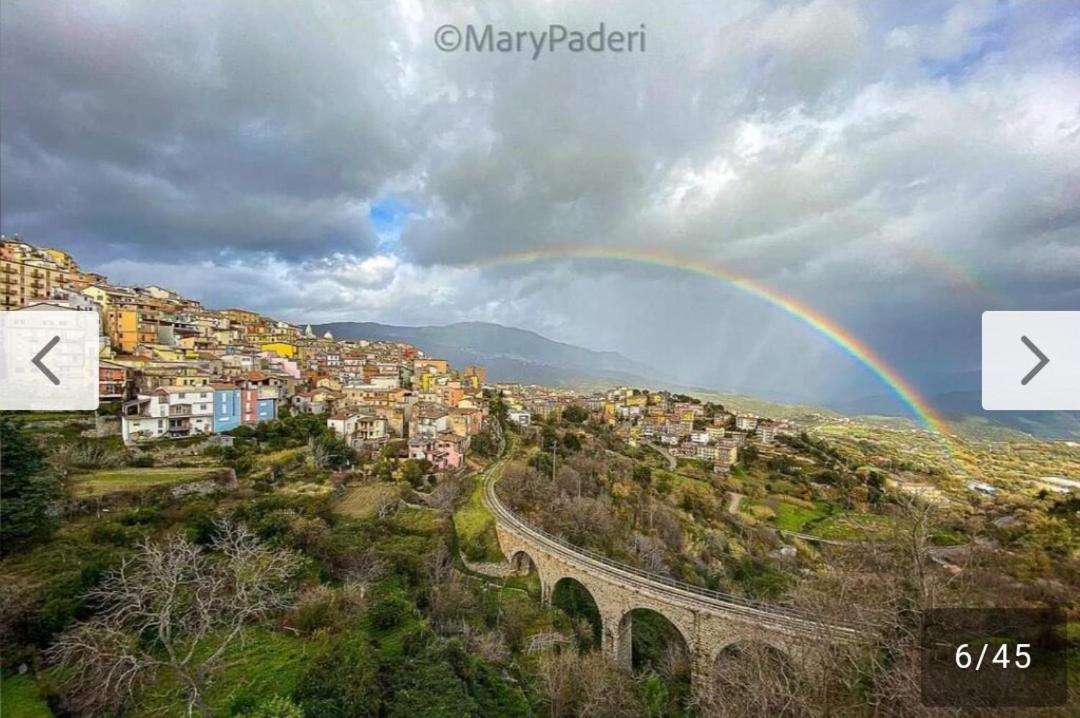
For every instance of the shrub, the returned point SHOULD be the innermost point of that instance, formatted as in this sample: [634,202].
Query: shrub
[342,682]
[110,532]
[390,611]
[141,460]
[277,707]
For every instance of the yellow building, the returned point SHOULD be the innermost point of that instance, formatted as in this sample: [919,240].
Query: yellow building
[285,350]
[122,328]
[28,273]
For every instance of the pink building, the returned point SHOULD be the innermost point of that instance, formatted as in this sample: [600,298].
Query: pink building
[446,451]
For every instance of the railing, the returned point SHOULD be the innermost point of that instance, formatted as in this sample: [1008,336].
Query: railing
[727,601]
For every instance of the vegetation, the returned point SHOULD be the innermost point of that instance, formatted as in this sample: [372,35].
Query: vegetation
[27,489]
[101,483]
[370,612]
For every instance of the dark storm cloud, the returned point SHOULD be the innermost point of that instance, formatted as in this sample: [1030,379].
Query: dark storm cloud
[196,127]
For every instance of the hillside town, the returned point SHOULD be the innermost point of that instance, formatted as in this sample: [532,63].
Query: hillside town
[173,368]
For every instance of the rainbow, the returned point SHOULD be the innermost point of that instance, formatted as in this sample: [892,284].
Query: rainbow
[820,323]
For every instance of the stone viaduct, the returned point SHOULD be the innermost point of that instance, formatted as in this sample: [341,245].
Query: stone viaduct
[708,621]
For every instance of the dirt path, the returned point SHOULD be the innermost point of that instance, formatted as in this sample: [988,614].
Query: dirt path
[734,500]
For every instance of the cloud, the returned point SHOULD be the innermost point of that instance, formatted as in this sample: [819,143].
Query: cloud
[900,167]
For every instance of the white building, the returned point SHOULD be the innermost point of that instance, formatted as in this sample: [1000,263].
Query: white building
[521,418]
[766,431]
[168,411]
[359,428]
[746,422]
[429,420]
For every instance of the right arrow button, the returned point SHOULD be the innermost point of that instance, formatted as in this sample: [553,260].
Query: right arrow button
[1043,361]
[1025,376]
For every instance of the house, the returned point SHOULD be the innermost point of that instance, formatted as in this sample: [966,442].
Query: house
[318,401]
[694,450]
[259,396]
[358,429]
[172,412]
[285,350]
[746,422]
[766,431]
[521,418]
[428,420]
[112,380]
[226,407]
[466,422]
[445,452]
[727,453]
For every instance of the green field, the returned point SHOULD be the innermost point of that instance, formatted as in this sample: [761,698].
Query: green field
[475,526]
[110,481]
[854,527]
[792,517]
[362,501]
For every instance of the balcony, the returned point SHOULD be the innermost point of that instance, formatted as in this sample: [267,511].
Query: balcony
[180,410]
[179,426]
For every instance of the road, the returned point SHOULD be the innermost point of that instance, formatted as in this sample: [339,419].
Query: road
[672,463]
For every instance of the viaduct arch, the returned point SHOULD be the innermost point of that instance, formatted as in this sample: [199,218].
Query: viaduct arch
[708,621]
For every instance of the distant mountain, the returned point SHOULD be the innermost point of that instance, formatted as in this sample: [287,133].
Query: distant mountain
[509,354]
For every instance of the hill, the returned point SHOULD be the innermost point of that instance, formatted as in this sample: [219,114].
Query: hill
[509,354]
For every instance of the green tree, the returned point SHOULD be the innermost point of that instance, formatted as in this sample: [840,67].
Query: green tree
[575,414]
[484,445]
[27,489]
[414,470]
[571,442]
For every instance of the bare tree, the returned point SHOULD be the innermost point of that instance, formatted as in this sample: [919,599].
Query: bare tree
[586,684]
[754,680]
[172,606]
[361,568]
[445,495]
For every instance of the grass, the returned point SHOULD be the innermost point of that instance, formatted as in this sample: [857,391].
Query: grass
[19,698]
[362,501]
[29,417]
[853,526]
[110,481]
[475,526]
[265,664]
[792,517]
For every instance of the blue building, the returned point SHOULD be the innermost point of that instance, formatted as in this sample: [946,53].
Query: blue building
[226,407]
[267,409]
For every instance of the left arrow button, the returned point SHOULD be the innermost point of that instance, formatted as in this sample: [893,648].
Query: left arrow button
[36,361]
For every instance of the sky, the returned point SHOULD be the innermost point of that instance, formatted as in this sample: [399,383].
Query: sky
[900,167]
